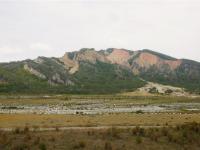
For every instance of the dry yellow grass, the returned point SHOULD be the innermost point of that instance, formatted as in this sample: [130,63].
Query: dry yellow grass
[181,137]
[125,119]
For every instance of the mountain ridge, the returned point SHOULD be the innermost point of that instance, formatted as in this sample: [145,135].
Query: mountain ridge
[106,71]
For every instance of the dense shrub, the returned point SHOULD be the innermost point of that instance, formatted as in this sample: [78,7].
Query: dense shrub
[108,146]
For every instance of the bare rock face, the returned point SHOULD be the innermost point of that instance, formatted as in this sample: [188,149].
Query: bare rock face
[119,56]
[139,59]
[34,72]
[146,60]
[56,78]
[173,64]
[39,60]
[91,56]
[70,64]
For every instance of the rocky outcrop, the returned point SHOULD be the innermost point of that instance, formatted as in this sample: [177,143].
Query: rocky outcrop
[155,88]
[70,64]
[34,72]
[56,78]
[39,60]
[119,56]
[91,56]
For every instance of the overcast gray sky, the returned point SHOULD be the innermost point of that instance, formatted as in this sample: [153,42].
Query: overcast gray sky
[31,28]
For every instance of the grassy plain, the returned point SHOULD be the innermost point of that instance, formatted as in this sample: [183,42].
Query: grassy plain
[121,119]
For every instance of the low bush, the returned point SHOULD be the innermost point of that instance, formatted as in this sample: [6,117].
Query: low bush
[37,141]
[42,146]
[79,145]
[138,131]
[108,146]
[113,132]
[17,131]
[138,140]
[26,129]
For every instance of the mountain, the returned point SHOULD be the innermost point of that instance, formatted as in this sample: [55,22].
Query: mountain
[105,71]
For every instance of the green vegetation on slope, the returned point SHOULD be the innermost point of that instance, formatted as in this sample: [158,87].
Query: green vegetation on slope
[104,78]
[91,78]
[186,76]
[50,67]
[20,81]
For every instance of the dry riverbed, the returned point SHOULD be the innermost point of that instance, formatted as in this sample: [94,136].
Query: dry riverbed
[98,105]
[97,110]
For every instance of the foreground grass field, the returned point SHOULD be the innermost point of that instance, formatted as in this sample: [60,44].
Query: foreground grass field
[181,137]
[122,119]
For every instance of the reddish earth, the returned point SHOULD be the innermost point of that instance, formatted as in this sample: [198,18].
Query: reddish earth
[90,56]
[173,64]
[119,56]
[147,60]
[70,64]
[67,61]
